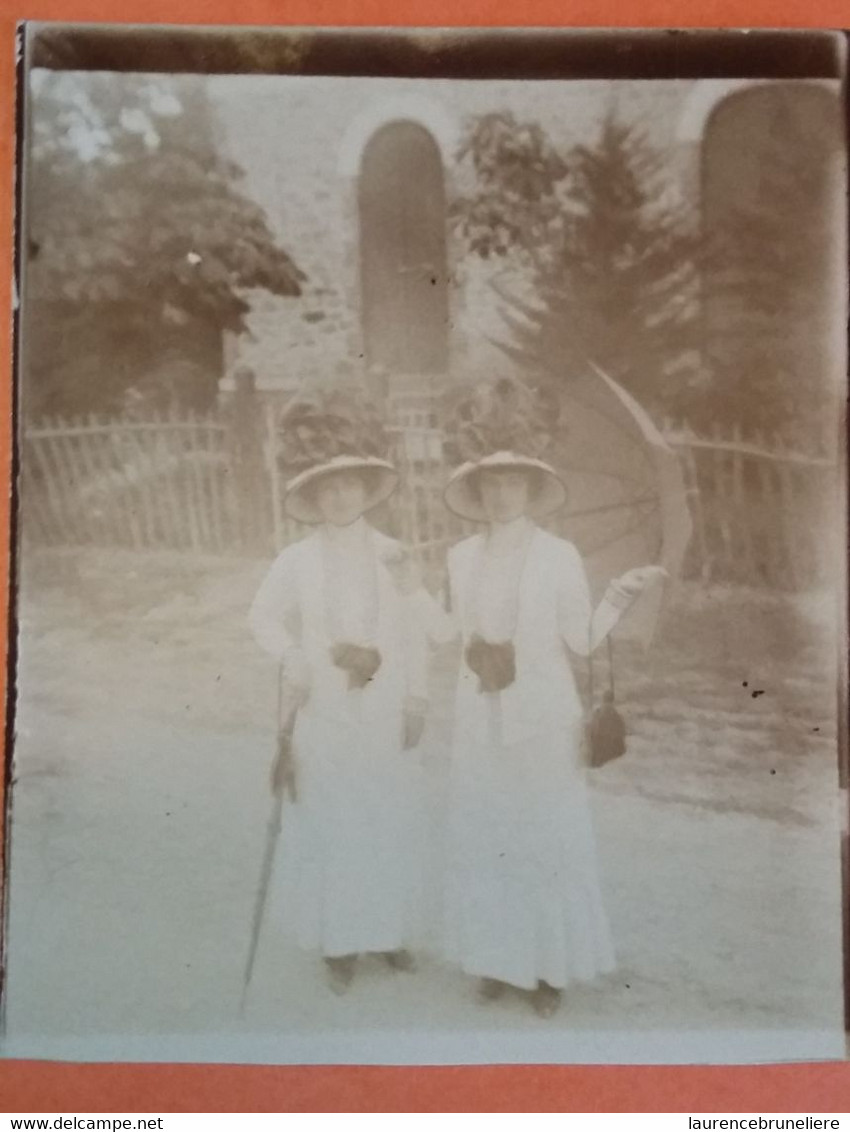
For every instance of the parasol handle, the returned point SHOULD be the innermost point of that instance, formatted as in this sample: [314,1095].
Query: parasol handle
[610,644]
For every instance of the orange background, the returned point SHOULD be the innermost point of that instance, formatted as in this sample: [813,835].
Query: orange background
[43,1086]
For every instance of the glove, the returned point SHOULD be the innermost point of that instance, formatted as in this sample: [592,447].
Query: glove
[622,591]
[493,664]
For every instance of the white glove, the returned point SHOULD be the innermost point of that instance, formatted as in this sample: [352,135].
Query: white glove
[623,590]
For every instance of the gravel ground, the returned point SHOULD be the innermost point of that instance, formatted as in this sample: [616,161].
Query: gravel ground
[144,734]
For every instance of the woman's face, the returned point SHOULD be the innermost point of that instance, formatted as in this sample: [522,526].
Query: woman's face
[504,494]
[340,498]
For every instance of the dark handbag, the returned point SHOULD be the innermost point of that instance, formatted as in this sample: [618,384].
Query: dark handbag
[606,729]
[493,663]
[361,663]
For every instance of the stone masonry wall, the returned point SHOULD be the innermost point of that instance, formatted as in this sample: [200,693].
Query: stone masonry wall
[291,136]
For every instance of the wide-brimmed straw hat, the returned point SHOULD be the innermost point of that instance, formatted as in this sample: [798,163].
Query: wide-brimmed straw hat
[462,497]
[501,424]
[379,476]
[336,429]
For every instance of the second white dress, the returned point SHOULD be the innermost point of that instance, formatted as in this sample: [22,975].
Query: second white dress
[523,900]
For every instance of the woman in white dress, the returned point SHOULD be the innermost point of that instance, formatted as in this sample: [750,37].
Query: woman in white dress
[346,876]
[523,901]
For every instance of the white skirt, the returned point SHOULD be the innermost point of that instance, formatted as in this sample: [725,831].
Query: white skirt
[347,876]
[523,899]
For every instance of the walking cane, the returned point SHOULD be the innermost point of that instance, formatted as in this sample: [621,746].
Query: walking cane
[285,726]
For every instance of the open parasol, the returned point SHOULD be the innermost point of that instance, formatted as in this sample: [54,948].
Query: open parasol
[626,501]
[627,504]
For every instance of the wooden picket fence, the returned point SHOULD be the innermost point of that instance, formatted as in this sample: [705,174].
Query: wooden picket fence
[763,513]
[211,484]
[161,482]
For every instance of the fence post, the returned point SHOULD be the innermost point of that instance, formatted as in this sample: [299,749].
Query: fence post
[719,503]
[790,531]
[66,474]
[743,523]
[196,478]
[169,454]
[687,455]
[130,444]
[271,451]
[246,453]
[770,517]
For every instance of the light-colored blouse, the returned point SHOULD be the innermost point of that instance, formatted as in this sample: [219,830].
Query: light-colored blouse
[497,591]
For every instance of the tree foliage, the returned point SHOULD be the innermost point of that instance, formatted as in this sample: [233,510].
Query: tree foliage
[601,263]
[726,315]
[140,243]
[770,295]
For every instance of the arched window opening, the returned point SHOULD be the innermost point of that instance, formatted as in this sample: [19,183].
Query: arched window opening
[403,264]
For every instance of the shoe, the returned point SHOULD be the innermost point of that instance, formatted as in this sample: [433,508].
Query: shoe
[489,990]
[400,960]
[545,1000]
[340,972]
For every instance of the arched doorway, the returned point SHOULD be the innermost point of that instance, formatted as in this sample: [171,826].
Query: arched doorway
[403,263]
[774,310]
[771,207]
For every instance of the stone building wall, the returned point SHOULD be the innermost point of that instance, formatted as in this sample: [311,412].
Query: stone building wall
[299,141]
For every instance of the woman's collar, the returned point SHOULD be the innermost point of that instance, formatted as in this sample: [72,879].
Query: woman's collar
[511,536]
[355,532]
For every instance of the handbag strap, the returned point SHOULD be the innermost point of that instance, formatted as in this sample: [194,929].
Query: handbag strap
[610,643]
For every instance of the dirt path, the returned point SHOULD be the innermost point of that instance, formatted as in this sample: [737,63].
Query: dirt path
[139,811]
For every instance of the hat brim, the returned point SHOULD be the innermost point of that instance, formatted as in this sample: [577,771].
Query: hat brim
[298,504]
[461,498]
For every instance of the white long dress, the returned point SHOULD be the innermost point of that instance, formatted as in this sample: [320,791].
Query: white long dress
[523,898]
[346,877]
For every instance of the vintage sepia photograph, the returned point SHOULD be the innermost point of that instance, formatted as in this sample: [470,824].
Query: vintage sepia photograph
[430,606]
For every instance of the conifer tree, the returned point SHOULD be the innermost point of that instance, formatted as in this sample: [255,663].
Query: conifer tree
[603,262]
